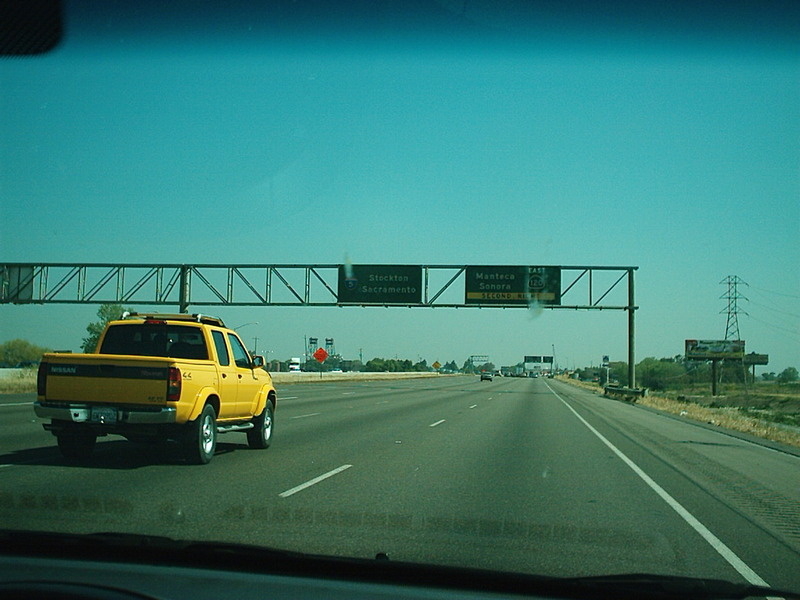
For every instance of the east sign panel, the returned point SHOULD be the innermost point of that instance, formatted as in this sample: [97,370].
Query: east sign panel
[380,284]
[509,285]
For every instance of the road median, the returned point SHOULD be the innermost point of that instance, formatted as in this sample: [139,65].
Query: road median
[327,377]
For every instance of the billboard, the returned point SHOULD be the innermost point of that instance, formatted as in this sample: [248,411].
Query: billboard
[714,349]
[380,284]
[512,285]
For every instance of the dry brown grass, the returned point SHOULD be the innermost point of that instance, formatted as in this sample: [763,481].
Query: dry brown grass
[727,417]
[23,383]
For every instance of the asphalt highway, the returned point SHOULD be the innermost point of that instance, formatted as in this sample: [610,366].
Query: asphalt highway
[528,475]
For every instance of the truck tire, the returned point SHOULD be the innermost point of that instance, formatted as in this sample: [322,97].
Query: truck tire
[260,436]
[76,445]
[201,438]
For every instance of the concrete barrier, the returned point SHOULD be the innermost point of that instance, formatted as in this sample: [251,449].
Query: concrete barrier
[284,378]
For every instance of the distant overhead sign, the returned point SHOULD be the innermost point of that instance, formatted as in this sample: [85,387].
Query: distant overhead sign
[513,285]
[714,349]
[380,284]
[539,359]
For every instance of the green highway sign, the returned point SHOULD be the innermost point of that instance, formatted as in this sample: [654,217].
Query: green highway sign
[380,284]
[512,285]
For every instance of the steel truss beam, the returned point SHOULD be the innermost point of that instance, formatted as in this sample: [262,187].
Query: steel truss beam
[258,285]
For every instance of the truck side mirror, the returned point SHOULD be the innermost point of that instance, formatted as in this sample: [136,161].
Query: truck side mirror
[258,362]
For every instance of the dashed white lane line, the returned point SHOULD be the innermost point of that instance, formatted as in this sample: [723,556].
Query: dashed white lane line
[729,555]
[308,415]
[314,481]
[437,423]
[474,406]
[16,404]
[289,397]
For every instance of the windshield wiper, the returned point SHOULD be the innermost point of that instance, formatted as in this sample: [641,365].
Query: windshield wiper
[128,547]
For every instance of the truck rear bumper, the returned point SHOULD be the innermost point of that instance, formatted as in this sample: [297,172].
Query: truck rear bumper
[104,414]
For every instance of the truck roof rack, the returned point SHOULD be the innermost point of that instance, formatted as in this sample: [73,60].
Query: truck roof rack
[194,318]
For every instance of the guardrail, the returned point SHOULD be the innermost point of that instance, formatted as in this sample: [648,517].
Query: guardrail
[630,394]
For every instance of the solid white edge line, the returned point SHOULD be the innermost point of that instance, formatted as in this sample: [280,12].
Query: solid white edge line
[729,555]
[16,404]
[314,481]
[437,423]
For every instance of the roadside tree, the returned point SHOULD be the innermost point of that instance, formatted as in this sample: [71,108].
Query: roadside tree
[15,353]
[106,313]
[788,375]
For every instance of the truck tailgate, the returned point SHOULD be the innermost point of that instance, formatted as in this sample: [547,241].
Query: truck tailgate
[106,379]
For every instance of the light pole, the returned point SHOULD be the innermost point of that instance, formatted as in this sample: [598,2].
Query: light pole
[255,339]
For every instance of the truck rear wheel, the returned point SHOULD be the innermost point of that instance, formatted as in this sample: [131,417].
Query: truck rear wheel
[201,439]
[76,445]
[260,436]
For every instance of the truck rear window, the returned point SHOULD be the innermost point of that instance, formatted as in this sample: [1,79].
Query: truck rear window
[176,341]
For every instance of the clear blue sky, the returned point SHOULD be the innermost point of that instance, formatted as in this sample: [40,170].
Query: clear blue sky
[674,151]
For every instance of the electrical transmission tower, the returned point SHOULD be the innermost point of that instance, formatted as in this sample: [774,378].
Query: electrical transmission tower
[732,296]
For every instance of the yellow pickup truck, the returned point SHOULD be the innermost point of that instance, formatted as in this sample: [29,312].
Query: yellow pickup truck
[158,378]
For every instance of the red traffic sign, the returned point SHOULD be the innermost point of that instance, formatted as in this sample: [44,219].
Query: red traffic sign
[320,355]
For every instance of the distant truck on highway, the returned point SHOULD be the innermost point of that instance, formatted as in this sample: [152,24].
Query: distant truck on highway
[294,365]
[157,378]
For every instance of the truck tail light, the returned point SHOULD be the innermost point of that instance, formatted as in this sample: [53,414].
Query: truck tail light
[41,379]
[174,383]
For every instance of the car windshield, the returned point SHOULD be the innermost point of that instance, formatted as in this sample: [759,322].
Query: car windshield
[522,277]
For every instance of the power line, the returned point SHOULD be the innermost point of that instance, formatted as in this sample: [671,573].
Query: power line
[776,293]
[795,334]
[778,310]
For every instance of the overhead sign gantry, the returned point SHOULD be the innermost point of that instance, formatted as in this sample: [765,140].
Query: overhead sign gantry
[433,286]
